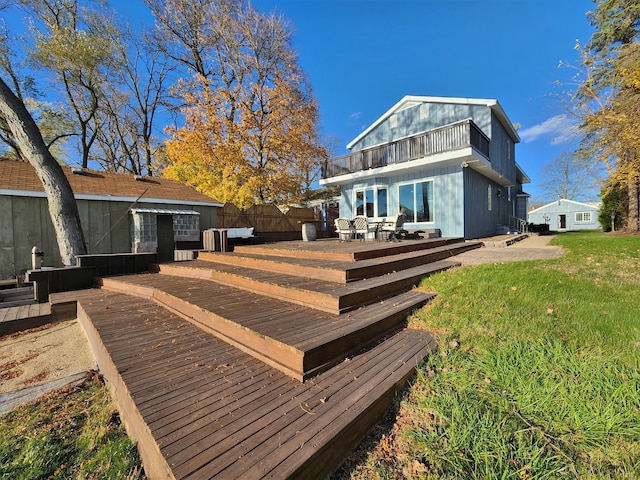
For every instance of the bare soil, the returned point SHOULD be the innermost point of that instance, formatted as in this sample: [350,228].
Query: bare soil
[40,355]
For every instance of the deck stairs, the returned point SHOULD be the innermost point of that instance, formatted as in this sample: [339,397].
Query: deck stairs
[305,315]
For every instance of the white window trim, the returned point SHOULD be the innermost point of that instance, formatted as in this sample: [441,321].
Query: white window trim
[414,182]
[582,215]
[375,189]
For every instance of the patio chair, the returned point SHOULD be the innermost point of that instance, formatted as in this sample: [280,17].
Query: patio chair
[344,229]
[393,226]
[362,227]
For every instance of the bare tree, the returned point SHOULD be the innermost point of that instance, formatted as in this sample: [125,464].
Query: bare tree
[73,45]
[572,177]
[127,136]
[62,205]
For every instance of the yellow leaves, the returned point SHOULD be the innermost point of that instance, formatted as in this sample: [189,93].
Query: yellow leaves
[257,145]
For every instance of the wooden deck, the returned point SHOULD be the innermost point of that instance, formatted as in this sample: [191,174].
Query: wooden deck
[236,369]
[201,408]
[23,317]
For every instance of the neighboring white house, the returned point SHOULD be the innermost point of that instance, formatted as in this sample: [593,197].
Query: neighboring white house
[564,214]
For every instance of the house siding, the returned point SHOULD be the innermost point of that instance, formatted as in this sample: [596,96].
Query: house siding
[410,122]
[480,222]
[448,182]
[502,151]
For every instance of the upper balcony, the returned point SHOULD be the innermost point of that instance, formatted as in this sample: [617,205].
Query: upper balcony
[451,137]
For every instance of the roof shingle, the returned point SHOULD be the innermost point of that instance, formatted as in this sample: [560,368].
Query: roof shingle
[20,175]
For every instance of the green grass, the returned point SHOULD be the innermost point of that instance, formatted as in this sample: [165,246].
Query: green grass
[536,375]
[73,433]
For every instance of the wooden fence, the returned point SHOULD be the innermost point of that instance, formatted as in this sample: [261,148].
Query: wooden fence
[270,222]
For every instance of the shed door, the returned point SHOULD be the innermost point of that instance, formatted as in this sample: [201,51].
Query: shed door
[166,240]
[562,221]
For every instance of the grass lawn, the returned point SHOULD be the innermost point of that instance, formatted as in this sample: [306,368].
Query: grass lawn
[72,433]
[536,375]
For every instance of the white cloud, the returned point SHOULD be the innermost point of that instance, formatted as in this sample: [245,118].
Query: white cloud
[560,129]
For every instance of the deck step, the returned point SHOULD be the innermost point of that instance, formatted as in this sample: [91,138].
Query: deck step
[200,408]
[336,270]
[310,292]
[332,250]
[297,340]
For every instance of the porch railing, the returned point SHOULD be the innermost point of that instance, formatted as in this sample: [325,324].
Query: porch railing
[451,137]
[516,224]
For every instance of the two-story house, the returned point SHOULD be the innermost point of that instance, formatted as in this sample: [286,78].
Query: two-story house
[446,163]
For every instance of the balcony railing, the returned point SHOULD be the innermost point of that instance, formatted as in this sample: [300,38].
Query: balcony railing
[451,137]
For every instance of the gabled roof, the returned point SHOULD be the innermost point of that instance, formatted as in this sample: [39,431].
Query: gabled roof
[19,178]
[409,101]
[586,206]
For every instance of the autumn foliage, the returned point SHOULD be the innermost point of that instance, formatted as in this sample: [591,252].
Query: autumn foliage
[251,123]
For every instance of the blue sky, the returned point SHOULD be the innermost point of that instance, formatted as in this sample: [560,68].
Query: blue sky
[363,56]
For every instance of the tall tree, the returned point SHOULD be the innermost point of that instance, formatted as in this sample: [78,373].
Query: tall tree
[72,44]
[51,123]
[251,130]
[610,93]
[62,205]
[127,135]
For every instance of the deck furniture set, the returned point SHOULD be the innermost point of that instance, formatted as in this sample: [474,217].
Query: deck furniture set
[377,228]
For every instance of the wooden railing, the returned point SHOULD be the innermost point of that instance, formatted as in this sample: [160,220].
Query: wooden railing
[451,137]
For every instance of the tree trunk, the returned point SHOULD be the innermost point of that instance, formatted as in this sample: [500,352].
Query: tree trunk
[62,205]
[633,222]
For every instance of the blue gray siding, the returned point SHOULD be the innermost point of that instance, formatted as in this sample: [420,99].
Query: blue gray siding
[413,120]
[447,192]
[550,214]
[480,222]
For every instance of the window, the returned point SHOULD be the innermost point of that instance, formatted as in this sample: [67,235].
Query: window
[583,216]
[416,201]
[145,227]
[372,202]
[489,197]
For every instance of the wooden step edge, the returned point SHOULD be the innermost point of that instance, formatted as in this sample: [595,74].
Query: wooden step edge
[288,252]
[278,355]
[344,346]
[400,281]
[278,265]
[316,452]
[155,465]
[112,284]
[402,246]
[358,272]
[327,456]
[324,302]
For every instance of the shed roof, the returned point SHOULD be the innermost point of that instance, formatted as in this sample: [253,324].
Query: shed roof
[563,204]
[19,178]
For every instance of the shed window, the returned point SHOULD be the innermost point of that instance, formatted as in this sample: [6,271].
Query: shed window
[583,216]
[416,201]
